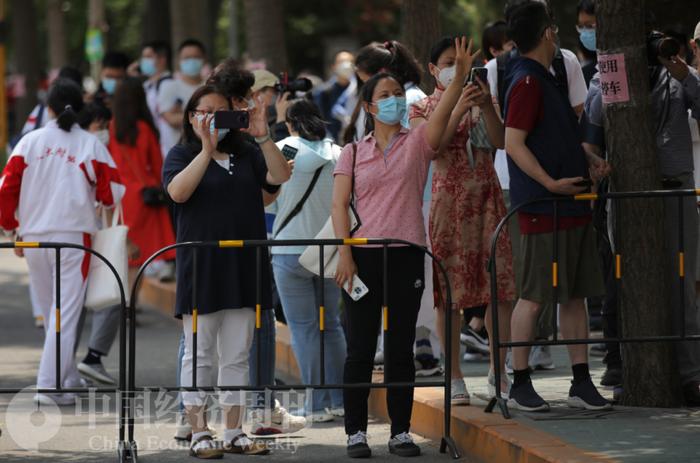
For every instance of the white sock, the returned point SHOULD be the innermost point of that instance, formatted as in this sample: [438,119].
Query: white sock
[230,434]
[197,435]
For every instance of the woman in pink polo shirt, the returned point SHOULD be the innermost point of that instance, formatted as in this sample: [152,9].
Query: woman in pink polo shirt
[390,167]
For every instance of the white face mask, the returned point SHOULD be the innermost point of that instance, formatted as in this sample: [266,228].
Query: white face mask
[446,76]
[345,69]
[103,136]
[251,103]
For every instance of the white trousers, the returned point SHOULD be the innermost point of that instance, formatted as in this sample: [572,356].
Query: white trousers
[42,277]
[226,335]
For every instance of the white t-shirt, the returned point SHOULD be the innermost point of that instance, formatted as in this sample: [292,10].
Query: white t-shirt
[695,135]
[577,96]
[172,92]
[168,135]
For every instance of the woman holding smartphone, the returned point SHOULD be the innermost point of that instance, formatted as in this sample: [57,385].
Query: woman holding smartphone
[215,178]
[467,206]
[389,167]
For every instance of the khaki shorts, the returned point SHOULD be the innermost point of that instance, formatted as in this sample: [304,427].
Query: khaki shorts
[579,272]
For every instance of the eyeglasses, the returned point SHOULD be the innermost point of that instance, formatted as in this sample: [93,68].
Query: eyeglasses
[204,112]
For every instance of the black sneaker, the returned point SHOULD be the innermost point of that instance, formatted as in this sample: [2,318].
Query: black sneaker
[612,376]
[403,445]
[585,395]
[357,445]
[525,398]
[427,365]
[475,339]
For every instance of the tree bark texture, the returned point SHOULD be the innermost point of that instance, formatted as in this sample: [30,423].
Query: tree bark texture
[25,52]
[265,38]
[155,25]
[193,20]
[420,28]
[650,373]
[58,51]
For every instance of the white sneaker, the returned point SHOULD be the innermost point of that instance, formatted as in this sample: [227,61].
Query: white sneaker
[183,429]
[491,385]
[320,417]
[460,396]
[337,411]
[280,421]
[97,372]
[541,358]
[55,399]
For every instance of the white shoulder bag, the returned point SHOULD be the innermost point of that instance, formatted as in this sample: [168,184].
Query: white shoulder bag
[310,258]
[110,242]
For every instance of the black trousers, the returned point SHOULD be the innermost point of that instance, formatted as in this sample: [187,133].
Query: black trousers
[363,318]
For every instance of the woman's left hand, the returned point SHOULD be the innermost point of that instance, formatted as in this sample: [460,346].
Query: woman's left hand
[258,119]
[482,97]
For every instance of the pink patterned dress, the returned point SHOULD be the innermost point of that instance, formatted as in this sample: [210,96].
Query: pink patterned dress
[467,205]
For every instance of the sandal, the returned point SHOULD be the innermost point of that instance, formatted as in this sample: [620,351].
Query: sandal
[206,448]
[242,445]
[460,396]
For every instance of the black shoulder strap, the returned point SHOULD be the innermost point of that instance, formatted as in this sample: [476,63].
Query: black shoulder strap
[160,81]
[560,72]
[300,204]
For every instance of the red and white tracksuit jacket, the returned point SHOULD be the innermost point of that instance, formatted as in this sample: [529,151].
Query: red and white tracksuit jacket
[48,192]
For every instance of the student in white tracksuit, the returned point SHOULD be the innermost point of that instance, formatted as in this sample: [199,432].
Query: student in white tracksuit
[48,192]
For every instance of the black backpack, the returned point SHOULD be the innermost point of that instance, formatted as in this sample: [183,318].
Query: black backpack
[502,62]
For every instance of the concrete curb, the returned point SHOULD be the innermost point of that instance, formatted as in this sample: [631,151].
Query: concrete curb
[481,436]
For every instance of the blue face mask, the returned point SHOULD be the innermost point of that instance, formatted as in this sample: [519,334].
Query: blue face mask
[391,110]
[191,67]
[148,66]
[222,132]
[587,37]
[109,85]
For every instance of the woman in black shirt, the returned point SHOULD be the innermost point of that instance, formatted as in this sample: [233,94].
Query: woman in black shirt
[216,178]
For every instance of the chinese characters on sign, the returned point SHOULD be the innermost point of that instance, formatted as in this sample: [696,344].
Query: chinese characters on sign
[613,78]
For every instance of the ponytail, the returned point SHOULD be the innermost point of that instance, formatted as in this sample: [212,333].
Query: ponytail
[403,64]
[305,118]
[66,101]
[67,118]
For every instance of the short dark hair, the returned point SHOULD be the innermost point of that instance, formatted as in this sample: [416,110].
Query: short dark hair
[512,5]
[305,117]
[71,73]
[93,112]
[115,59]
[231,80]
[65,100]
[494,36]
[439,48]
[586,6]
[161,48]
[192,43]
[527,23]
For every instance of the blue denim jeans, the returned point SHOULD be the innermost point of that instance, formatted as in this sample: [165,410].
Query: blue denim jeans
[298,291]
[267,360]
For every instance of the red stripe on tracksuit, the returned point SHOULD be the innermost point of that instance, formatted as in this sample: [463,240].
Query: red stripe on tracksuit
[10,186]
[105,176]
[85,265]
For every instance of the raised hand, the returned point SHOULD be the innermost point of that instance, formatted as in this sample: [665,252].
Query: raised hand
[258,119]
[203,130]
[464,58]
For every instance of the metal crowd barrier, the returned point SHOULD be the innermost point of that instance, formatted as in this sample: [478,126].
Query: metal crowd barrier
[617,262]
[121,389]
[128,448]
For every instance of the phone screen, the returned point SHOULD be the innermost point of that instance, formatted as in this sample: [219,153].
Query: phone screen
[289,152]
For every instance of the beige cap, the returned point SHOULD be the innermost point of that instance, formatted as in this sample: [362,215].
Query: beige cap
[264,78]
[696,35]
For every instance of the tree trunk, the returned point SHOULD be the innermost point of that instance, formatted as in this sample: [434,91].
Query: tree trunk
[264,28]
[96,20]
[58,51]
[25,53]
[194,20]
[234,47]
[153,26]
[420,26]
[650,374]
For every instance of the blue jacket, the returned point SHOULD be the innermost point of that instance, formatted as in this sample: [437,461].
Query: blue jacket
[555,142]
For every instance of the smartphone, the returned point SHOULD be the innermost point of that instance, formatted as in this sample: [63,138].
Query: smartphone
[357,290]
[231,119]
[289,152]
[481,72]
[586,182]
